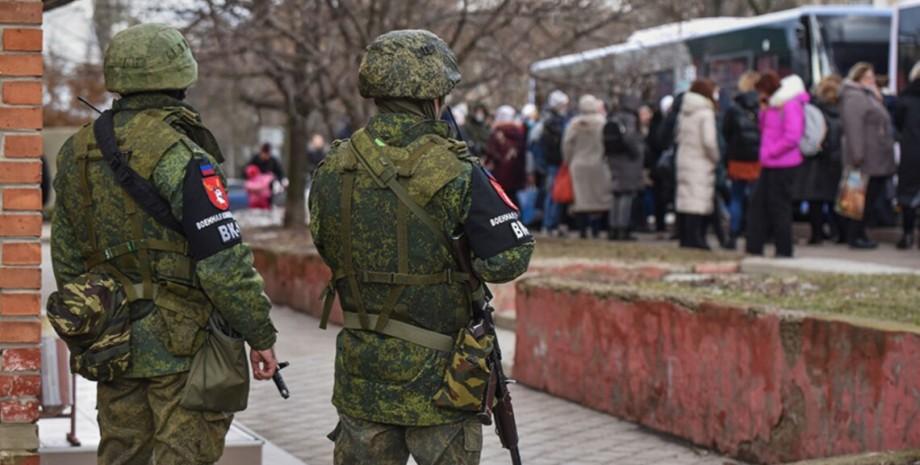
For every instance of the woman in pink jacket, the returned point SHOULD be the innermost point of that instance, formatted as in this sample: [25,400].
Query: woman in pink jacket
[782,125]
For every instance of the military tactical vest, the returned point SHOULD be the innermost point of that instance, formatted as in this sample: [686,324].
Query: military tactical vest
[393,272]
[120,239]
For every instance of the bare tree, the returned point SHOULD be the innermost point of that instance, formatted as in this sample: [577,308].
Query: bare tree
[300,58]
[683,9]
[48,5]
[108,15]
[64,81]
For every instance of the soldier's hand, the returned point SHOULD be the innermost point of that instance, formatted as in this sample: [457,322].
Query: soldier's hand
[264,363]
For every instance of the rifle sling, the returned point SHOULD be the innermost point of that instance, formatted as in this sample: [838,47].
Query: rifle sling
[388,177]
[139,189]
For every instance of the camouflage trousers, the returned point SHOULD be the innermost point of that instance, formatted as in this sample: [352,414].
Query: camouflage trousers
[365,442]
[141,423]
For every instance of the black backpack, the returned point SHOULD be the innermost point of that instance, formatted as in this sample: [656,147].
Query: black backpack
[744,143]
[551,139]
[621,136]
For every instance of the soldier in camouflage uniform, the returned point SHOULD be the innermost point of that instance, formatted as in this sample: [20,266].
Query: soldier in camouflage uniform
[403,296]
[175,280]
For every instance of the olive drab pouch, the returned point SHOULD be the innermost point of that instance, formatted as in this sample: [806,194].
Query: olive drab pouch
[184,312]
[218,380]
[467,378]
[91,314]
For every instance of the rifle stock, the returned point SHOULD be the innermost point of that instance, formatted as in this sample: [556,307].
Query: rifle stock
[497,398]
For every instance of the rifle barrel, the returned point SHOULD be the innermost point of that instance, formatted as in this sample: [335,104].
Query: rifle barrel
[515,456]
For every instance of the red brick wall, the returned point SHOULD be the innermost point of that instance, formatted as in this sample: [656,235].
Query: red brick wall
[20,228]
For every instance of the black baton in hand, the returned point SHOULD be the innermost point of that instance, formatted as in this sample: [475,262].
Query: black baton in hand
[279,381]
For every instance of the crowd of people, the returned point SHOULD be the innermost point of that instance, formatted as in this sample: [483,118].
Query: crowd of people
[740,169]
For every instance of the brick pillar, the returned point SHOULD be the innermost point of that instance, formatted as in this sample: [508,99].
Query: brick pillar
[20,228]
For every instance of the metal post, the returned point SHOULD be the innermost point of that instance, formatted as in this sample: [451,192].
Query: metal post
[72,435]
[893,51]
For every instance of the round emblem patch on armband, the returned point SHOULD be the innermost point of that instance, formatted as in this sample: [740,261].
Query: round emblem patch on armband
[217,193]
[501,193]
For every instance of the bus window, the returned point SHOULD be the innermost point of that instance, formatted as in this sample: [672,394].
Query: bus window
[851,39]
[767,62]
[770,46]
[725,72]
[664,84]
[908,42]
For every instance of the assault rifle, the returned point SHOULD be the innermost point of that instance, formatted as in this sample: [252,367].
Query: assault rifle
[448,117]
[497,401]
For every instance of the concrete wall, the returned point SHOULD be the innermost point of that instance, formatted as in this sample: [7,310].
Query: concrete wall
[764,386]
[296,279]
[20,228]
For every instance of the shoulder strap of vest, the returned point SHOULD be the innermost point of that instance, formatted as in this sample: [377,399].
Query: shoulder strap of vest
[386,176]
[141,190]
[189,123]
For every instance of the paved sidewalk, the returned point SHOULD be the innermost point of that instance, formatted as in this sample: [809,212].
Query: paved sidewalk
[553,431]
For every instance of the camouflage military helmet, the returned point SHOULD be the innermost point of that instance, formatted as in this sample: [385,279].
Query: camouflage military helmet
[408,64]
[149,57]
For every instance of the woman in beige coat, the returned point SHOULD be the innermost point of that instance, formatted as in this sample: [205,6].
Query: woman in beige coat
[583,152]
[697,156]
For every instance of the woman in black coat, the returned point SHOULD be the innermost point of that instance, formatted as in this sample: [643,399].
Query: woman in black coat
[741,130]
[818,178]
[907,121]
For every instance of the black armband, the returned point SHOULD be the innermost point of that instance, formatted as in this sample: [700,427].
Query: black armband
[206,217]
[493,225]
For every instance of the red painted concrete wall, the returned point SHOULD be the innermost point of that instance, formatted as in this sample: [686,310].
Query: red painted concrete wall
[505,295]
[760,386]
[296,280]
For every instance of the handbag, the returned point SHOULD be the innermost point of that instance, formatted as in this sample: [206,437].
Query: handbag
[218,380]
[667,163]
[563,190]
[527,202]
[851,197]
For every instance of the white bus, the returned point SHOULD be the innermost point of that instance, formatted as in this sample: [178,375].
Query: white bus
[812,41]
[905,37]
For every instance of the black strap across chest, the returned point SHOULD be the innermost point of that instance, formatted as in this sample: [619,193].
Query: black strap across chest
[136,186]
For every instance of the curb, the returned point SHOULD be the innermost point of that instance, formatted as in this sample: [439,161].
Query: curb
[904,457]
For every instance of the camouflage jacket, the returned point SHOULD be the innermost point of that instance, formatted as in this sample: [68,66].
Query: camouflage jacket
[368,230]
[216,270]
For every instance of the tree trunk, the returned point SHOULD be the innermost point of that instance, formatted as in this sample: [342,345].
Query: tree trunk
[716,8]
[48,5]
[106,15]
[295,204]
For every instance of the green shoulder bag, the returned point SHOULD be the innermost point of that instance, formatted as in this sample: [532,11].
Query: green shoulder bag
[218,380]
